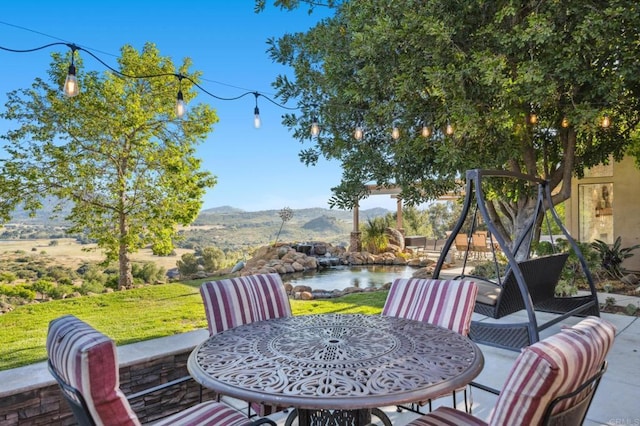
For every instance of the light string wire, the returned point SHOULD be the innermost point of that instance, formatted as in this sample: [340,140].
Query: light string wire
[75,47]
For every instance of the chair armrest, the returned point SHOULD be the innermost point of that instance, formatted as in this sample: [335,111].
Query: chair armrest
[485,388]
[263,421]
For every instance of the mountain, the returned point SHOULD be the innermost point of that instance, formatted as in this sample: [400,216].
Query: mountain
[324,224]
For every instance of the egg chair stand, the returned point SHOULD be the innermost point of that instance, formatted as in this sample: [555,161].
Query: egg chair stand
[529,283]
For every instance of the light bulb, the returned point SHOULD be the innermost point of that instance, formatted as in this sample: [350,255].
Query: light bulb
[181,108]
[533,118]
[565,122]
[395,133]
[425,132]
[449,129]
[256,118]
[606,121]
[71,87]
[358,133]
[315,129]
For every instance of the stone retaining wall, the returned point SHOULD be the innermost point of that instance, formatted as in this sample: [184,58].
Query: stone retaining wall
[29,397]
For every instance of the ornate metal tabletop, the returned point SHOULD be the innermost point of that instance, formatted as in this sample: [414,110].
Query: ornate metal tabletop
[335,362]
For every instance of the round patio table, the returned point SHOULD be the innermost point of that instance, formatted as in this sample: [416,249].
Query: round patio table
[336,366]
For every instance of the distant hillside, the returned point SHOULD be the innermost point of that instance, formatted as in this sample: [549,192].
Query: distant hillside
[324,224]
[226,227]
[230,228]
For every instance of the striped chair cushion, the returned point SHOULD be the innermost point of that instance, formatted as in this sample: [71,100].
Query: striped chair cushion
[242,300]
[87,360]
[271,300]
[447,303]
[228,303]
[552,367]
[445,416]
[206,414]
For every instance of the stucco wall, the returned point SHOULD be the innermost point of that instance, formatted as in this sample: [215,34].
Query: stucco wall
[626,206]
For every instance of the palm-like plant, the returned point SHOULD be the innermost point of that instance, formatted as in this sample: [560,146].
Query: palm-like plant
[373,235]
[613,256]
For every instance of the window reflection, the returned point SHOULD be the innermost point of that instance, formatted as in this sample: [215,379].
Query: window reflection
[596,212]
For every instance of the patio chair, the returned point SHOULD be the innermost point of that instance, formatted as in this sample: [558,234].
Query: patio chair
[84,363]
[552,382]
[447,303]
[463,245]
[242,300]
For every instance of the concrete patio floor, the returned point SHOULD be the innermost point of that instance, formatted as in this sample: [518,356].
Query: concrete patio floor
[615,403]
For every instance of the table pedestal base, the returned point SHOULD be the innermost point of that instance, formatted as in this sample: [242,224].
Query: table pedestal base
[336,417]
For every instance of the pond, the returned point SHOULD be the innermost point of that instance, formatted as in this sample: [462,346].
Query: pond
[341,277]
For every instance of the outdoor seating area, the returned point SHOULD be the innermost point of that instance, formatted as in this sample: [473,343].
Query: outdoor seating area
[297,369]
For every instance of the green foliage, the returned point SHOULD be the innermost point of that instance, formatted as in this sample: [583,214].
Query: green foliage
[488,269]
[92,286]
[44,287]
[374,239]
[481,66]
[188,264]
[19,291]
[631,309]
[148,272]
[61,291]
[8,277]
[115,153]
[213,259]
[611,257]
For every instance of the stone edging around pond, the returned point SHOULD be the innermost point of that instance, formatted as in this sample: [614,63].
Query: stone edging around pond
[286,259]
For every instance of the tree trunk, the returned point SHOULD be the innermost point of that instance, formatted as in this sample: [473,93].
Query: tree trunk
[126,277]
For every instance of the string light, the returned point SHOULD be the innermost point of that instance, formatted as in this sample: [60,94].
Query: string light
[449,129]
[72,88]
[358,134]
[180,105]
[395,133]
[315,127]
[256,113]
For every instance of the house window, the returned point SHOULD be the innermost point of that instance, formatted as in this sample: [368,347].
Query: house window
[596,212]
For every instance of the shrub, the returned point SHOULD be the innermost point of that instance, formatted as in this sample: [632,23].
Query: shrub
[61,291]
[87,287]
[148,272]
[374,239]
[213,259]
[44,287]
[8,276]
[611,257]
[188,265]
[21,291]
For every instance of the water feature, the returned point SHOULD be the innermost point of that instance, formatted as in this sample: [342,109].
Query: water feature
[341,277]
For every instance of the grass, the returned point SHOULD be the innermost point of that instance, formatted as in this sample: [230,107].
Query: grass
[139,314]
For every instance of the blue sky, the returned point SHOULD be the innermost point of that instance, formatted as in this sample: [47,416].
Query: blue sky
[257,169]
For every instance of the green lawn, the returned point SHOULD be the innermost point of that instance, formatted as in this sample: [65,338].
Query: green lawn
[139,314]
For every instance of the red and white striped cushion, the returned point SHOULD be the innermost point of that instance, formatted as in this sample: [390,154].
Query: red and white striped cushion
[445,416]
[87,360]
[206,414]
[242,300]
[271,300]
[228,303]
[447,303]
[552,367]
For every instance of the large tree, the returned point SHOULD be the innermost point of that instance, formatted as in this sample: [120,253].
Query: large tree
[116,154]
[486,68]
